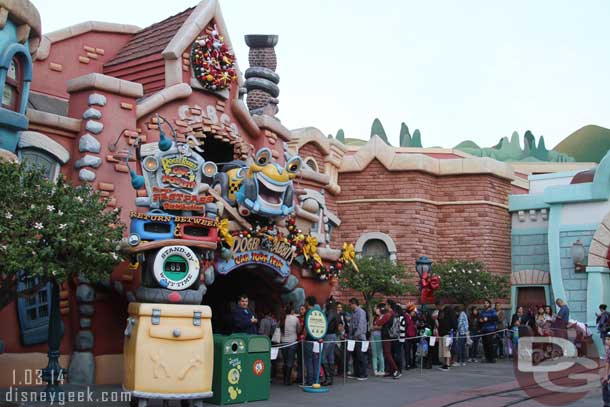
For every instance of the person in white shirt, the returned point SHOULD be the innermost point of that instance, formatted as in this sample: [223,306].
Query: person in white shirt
[289,335]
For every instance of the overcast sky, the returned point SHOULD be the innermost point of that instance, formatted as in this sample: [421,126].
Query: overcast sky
[454,69]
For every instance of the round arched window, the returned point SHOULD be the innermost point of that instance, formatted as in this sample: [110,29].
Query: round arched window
[375,248]
[312,164]
[12,87]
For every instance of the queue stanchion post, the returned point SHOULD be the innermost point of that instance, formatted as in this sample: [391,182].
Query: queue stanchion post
[316,385]
[316,326]
[302,362]
[344,361]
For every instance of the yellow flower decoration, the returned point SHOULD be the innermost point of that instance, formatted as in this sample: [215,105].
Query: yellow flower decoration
[223,229]
[349,255]
[311,249]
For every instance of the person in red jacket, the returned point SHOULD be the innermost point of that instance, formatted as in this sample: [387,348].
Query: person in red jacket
[410,334]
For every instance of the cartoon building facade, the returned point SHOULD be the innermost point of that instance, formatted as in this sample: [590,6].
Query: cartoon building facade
[560,240]
[100,95]
[20,33]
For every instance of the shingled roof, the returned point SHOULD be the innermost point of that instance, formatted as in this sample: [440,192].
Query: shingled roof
[150,40]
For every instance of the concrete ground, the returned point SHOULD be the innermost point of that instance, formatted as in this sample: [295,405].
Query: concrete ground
[473,385]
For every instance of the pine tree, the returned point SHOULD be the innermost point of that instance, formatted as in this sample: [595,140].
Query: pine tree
[341,136]
[405,136]
[377,130]
[416,141]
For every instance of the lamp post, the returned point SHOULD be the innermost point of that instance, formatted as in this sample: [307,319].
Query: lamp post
[53,374]
[422,265]
[578,256]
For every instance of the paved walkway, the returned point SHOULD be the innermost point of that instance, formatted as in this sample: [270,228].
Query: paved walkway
[474,385]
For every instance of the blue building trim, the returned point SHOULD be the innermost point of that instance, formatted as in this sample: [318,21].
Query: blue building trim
[554,251]
[598,292]
[12,119]
[529,231]
[601,184]
[525,202]
[579,228]
[5,61]
[553,175]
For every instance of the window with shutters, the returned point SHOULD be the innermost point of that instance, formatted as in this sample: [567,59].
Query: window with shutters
[33,311]
[13,86]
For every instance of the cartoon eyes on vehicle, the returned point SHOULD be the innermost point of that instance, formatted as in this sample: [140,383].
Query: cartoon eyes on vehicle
[263,156]
[294,165]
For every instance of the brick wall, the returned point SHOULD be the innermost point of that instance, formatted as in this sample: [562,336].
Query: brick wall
[312,150]
[441,232]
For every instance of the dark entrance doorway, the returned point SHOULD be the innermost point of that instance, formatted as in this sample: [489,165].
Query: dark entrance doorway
[253,280]
[530,297]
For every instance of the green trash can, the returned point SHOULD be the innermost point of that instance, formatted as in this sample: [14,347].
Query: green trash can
[229,383]
[258,368]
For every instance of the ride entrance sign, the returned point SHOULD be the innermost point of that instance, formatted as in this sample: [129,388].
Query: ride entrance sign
[316,324]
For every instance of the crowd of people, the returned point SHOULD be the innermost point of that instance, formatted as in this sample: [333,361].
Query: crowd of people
[398,337]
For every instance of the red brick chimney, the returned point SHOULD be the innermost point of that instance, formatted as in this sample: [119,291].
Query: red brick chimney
[261,78]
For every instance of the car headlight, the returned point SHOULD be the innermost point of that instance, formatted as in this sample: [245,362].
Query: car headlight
[133,239]
[151,164]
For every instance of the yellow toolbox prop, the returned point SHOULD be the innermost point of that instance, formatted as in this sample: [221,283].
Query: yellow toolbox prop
[168,352]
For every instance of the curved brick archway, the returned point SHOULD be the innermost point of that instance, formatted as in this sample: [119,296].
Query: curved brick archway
[530,277]
[598,250]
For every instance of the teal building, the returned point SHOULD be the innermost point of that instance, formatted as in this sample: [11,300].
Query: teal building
[560,240]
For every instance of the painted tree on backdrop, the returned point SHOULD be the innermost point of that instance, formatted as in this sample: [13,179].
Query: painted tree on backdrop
[376,276]
[52,232]
[466,282]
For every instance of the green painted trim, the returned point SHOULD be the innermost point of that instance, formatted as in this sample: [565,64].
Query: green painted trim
[579,228]
[531,231]
[524,202]
[513,299]
[554,255]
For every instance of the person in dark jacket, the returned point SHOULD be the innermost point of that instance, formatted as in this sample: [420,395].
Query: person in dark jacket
[342,330]
[328,350]
[244,320]
[398,346]
[308,353]
[410,334]
[447,325]
[488,320]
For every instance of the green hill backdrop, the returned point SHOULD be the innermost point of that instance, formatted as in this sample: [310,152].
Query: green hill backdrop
[588,144]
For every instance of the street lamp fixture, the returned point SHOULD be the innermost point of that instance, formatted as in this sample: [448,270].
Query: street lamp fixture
[578,256]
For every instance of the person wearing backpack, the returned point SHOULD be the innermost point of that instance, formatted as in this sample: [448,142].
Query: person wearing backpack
[603,321]
[386,325]
[398,345]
